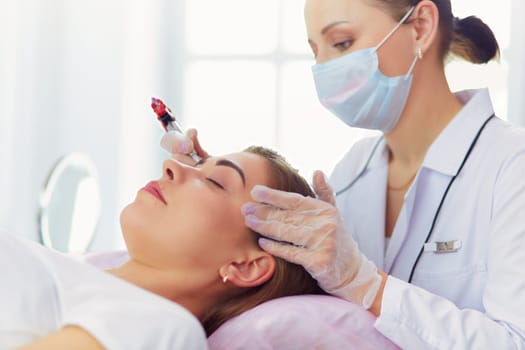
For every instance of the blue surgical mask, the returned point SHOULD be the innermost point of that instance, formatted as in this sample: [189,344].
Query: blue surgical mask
[354,89]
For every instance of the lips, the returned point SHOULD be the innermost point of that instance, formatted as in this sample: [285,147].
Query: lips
[154,189]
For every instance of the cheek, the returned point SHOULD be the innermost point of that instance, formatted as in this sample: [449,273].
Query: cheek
[202,233]
[220,232]
[396,55]
[221,223]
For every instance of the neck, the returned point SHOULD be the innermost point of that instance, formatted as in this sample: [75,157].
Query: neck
[430,107]
[173,285]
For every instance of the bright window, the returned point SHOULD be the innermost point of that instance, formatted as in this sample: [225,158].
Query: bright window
[248,79]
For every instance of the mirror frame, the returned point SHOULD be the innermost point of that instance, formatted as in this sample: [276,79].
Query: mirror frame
[80,160]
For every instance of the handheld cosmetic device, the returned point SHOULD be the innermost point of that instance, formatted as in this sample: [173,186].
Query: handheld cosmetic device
[169,122]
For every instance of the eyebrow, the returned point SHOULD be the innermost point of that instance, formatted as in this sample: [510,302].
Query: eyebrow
[331,25]
[228,163]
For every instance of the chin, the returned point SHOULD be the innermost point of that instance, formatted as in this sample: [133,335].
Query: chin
[132,221]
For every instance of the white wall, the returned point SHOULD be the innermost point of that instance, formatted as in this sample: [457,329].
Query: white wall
[516,54]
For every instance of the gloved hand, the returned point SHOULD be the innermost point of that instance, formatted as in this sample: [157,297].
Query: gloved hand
[180,145]
[310,232]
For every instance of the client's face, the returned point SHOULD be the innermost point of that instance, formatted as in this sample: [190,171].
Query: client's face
[190,218]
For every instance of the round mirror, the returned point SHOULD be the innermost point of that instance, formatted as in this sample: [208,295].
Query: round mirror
[70,205]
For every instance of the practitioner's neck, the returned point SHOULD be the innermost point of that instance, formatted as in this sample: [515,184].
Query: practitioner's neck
[430,107]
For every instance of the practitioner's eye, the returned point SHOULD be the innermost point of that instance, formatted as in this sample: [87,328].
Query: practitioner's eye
[215,183]
[343,45]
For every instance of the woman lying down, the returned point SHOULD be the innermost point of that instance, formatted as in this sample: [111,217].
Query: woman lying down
[191,259]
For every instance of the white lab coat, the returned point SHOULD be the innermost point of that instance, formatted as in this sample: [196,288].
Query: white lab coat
[473,298]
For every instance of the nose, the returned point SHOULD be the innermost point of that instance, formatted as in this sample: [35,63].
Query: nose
[174,170]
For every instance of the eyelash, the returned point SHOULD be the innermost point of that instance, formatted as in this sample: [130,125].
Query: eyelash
[210,180]
[215,183]
[343,45]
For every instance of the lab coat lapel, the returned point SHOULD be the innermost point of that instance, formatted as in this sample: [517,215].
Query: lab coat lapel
[362,206]
[373,244]
[370,228]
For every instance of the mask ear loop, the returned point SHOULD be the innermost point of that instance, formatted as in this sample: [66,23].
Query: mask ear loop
[419,56]
[399,24]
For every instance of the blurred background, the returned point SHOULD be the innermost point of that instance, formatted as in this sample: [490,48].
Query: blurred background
[77,76]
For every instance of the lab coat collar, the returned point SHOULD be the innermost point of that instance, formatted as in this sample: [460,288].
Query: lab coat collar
[456,138]
[381,156]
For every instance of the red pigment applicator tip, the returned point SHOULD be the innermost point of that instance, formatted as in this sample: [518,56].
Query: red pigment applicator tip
[168,121]
[164,115]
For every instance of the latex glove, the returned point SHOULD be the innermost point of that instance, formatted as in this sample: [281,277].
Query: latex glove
[180,145]
[310,232]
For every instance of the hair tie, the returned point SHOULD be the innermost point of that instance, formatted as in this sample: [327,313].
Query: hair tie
[455,22]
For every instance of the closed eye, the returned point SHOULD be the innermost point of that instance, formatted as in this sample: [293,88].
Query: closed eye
[215,183]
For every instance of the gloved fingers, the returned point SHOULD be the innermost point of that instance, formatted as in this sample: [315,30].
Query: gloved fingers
[313,218]
[279,231]
[174,142]
[180,145]
[285,200]
[192,134]
[319,265]
[183,158]
[288,252]
[321,187]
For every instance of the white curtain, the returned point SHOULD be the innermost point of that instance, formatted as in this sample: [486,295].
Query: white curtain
[77,76]
[8,20]
[16,128]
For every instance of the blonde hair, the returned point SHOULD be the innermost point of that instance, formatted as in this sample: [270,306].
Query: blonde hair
[288,279]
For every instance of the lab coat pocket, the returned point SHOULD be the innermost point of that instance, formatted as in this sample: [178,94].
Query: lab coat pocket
[463,283]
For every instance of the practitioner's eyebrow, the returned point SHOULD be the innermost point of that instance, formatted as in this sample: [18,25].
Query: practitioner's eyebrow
[332,25]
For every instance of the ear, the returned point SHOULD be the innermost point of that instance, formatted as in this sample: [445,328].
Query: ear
[251,272]
[425,20]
